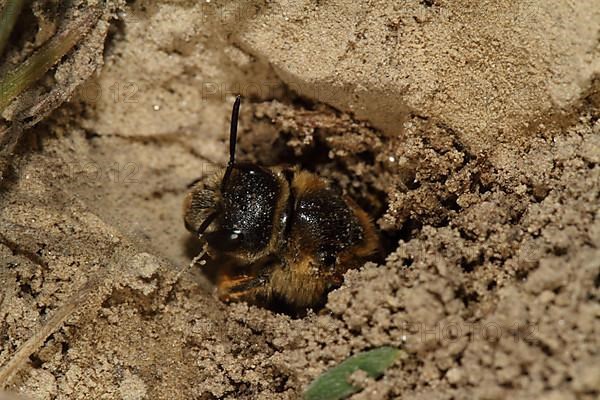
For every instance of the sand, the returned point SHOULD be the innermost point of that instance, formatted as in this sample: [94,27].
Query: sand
[470,131]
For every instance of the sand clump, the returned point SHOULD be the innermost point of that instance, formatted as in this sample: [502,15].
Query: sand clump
[470,133]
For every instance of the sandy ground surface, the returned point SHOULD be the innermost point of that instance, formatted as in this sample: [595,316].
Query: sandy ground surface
[469,130]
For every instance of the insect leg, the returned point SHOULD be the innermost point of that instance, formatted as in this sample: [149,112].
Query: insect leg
[247,286]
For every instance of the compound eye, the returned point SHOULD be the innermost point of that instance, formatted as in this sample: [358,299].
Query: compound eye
[225,240]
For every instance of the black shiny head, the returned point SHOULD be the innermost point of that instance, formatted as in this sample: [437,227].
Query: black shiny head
[244,212]
[245,216]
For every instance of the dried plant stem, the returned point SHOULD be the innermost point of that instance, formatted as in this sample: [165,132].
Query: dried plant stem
[8,18]
[9,138]
[24,75]
[39,337]
[10,396]
[194,261]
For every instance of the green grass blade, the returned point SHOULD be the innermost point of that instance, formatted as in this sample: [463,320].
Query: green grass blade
[25,74]
[333,384]
[8,18]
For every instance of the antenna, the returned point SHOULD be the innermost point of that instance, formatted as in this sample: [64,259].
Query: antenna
[232,144]
[235,112]
[204,225]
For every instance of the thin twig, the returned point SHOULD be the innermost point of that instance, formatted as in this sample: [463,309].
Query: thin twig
[183,269]
[11,396]
[39,337]
[9,138]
